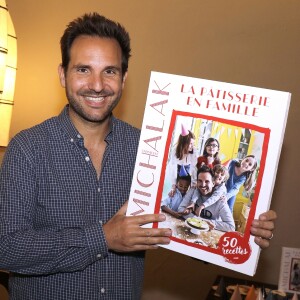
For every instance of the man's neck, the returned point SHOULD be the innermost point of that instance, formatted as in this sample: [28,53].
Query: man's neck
[204,197]
[93,132]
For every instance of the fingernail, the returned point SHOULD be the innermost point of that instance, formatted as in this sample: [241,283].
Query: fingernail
[161,217]
[253,230]
[169,232]
[167,241]
[263,218]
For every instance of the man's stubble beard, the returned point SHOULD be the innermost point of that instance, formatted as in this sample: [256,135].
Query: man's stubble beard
[78,109]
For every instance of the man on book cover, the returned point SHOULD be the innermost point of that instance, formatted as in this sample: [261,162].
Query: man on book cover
[217,215]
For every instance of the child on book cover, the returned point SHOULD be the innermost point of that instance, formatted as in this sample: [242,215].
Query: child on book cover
[241,172]
[184,154]
[210,155]
[217,214]
[171,204]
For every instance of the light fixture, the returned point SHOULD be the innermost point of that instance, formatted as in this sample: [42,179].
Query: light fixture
[8,68]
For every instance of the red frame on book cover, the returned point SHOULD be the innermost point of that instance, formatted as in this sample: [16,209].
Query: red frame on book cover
[242,240]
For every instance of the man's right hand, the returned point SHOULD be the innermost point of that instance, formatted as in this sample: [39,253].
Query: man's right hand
[124,233]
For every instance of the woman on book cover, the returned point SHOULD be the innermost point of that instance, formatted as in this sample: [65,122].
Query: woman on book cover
[183,155]
[241,172]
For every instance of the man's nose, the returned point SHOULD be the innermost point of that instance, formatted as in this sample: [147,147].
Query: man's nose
[96,82]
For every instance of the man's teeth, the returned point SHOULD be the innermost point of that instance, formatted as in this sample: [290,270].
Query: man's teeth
[95,99]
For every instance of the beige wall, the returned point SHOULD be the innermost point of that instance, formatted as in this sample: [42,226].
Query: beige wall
[245,42]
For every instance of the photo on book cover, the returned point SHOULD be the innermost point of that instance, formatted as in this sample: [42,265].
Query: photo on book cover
[200,209]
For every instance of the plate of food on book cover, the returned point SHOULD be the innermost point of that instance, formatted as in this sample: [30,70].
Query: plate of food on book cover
[197,224]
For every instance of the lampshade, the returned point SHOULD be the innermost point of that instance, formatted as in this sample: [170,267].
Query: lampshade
[8,67]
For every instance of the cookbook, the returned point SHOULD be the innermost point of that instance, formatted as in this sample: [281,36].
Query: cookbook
[191,128]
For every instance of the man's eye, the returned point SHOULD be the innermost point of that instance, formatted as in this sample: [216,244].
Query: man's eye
[111,71]
[82,70]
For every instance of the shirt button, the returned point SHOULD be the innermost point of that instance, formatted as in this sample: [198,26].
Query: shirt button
[71,140]
[102,290]
[100,222]
[99,190]
[87,158]
[79,136]
[99,255]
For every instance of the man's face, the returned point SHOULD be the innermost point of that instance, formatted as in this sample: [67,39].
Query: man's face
[205,183]
[93,80]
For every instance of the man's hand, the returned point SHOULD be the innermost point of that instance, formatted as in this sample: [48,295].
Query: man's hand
[198,210]
[263,227]
[125,234]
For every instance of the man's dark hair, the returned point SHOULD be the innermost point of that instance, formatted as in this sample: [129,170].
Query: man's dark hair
[205,169]
[95,25]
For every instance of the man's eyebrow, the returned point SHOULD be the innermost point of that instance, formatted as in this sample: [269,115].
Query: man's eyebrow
[81,66]
[113,68]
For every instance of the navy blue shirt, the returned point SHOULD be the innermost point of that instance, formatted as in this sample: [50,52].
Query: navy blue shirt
[52,207]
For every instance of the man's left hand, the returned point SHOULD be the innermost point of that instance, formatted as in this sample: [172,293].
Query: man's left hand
[263,228]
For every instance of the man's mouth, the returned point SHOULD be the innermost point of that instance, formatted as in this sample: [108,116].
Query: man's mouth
[95,99]
[204,189]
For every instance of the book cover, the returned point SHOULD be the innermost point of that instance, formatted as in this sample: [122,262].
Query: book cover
[191,124]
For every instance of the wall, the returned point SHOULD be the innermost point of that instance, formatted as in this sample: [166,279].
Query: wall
[2,151]
[245,42]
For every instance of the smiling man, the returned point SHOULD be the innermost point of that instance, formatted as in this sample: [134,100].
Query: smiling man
[64,184]
[218,214]
[63,230]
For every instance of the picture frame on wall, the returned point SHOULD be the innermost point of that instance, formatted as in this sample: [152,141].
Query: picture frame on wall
[289,277]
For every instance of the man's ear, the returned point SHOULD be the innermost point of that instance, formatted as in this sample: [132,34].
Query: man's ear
[124,79]
[61,74]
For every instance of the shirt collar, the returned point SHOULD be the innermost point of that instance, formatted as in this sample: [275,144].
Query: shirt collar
[71,131]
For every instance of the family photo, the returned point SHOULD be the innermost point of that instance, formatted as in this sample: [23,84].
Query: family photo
[211,176]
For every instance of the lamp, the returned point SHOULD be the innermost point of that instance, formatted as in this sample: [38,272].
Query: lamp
[8,68]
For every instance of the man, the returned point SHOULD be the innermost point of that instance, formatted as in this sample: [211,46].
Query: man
[63,183]
[217,212]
